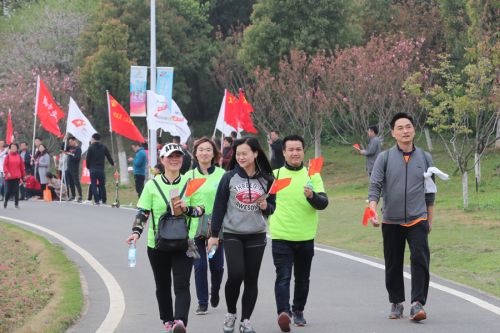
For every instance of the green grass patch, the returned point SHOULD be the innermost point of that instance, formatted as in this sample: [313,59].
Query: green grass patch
[40,287]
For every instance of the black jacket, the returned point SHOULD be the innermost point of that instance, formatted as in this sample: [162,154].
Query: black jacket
[95,156]
[74,157]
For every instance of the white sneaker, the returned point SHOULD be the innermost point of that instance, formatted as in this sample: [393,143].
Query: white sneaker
[245,327]
[229,323]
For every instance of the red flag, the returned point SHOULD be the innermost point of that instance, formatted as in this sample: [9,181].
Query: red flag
[279,184]
[85,179]
[369,213]
[47,110]
[231,110]
[193,185]
[9,136]
[121,122]
[315,165]
[356,146]
[246,108]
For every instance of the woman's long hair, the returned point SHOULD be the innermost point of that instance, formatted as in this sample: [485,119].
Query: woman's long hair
[262,165]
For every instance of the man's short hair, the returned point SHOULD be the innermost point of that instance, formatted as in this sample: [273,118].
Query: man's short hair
[137,144]
[96,136]
[373,128]
[401,115]
[176,139]
[293,137]
[276,131]
[71,138]
[234,134]
[229,139]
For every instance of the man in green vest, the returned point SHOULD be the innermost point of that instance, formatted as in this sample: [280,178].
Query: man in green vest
[293,228]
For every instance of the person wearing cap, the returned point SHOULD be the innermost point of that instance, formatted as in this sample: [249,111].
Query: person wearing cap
[139,161]
[95,163]
[172,266]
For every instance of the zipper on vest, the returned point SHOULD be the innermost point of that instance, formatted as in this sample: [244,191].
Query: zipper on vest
[406,187]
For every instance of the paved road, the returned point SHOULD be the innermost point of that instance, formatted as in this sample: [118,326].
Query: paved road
[345,296]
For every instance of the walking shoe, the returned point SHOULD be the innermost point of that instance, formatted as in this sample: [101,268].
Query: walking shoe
[17,206]
[214,300]
[229,323]
[179,327]
[71,199]
[396,311]
[298,319]
[246,327]
[168,327]
[202,309]
[417,312]
[79,200]
[284,321]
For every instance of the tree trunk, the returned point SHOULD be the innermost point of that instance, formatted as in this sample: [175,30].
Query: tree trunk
[428,138]
[465,189]
[497,143]
[477,167]
[317,141]
[122,161]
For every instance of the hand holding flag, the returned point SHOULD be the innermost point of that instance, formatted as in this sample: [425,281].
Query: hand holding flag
[370,214]
[315,166]
[356,146]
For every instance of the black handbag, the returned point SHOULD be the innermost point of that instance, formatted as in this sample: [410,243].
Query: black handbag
[173,231]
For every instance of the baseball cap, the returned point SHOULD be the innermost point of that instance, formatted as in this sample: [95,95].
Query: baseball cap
[170,148]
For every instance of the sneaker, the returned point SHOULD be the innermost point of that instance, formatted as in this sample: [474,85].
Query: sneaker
[214,300]
[229,323]
[179,327]
[17,206]
[298,318]
[284,321]
[202,309]
[417,312]
[396,311]
[168,327]
[246,327]
[79,200]
[71,199]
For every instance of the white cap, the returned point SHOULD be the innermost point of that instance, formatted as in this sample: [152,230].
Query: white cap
[170,148]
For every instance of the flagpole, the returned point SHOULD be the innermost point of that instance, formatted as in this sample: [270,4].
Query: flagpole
[34,117]
[110,129]
[152,133]
[223,101]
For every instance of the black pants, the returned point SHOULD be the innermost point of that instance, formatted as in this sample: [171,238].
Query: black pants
[139,184]
[11,188]
[395,238]
[243,257]
[73,180]
[165,265]
[98,190]
[288,255]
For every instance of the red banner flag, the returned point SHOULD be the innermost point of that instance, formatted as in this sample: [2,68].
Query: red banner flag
[9,136]
[193,185]
[121,122]
[231,112]
[315,165]
[85,179]
[356,146]
[47,110]
[246,108]
[279,184]
[369,213]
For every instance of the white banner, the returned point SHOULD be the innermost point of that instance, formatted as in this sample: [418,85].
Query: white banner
[78,125]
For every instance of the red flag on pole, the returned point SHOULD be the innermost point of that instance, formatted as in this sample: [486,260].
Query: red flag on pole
[48,111]
[356,146]
[231,113]
[315,165]
[279,184]
[369,213]
[246,108]
[9,136]
[121,122]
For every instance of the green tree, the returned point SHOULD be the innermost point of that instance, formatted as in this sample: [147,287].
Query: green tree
[306,25]
[226,15]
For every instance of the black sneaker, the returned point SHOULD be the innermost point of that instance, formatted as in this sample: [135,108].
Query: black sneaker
[396,311]
[202,309]
[214,300]
[284,321]
[417,312]
[298,318]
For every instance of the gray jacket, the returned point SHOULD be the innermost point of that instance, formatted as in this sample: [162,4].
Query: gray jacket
[401,185]
[372,152]
[42,167]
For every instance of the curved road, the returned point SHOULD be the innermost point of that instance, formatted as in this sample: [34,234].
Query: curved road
[347,291]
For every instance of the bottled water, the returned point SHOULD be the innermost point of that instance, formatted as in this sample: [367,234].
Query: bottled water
[212,251]
[132,255]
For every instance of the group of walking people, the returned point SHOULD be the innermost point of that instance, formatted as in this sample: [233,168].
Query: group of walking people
[232,211]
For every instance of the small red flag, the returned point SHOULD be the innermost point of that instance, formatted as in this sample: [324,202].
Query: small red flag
[356,146]
[9,136]
[193,185]
[246,122]
[121,122]
[247,107]
[48,111]
[85,179]
[279,184]
[369,213]
[315,165]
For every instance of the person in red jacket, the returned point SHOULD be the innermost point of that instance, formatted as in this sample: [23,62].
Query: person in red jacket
[13,168]
[33,186]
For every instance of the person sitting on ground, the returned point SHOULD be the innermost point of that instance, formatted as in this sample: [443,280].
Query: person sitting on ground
[57,188]
[33,186]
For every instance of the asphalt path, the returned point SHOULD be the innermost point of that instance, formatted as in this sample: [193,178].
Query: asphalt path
[347,292]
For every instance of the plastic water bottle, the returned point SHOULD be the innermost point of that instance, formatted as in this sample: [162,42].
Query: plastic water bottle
[132,255]
[212,251]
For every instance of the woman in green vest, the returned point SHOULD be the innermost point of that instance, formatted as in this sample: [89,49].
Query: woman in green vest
[206,154]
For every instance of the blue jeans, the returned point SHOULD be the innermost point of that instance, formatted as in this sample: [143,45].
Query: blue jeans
[286,255]
[200,271]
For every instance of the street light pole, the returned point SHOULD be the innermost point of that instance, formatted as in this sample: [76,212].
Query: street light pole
[152,133]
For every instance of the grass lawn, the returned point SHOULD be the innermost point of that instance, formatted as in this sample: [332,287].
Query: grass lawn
[40,287]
